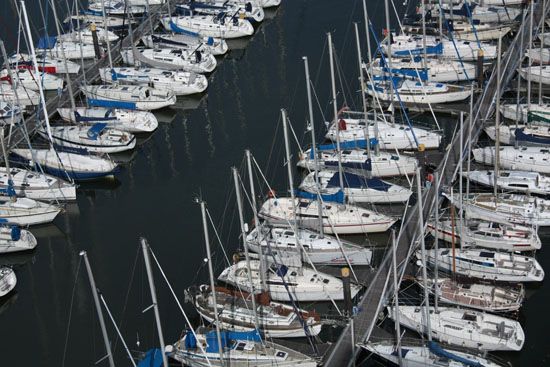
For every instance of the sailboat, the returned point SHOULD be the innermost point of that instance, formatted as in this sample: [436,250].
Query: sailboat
[21,97]
[27,79]
[236,313]
[389,136]
[289,242]
[474,12]
[521,112]
[536,73]
[250,11]
[96,138]
[479,296]
[126,120]
[533,159]
[27,212]
[14,239]
[222,25]
[128,97]
[357,189]
[286,284]
[491,235]
[426,356]
[464,30]
[180,82]
[36,185]
[487,265]
[465,328]
[512,181]
[8,280]
[188,42]
[238,349]
[46,63]
[86,17]
[436,70]
[383,164]
[172,59]
[115,7]
[71,50]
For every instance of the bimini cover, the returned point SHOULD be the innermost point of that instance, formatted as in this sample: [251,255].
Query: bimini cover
[47,42]
[95,130]
[440,352]
[337,197]
[227,337]
[358,182]
[153,358]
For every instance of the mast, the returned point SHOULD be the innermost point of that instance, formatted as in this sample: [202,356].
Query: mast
[246,254]
[369,55]
[35,63]
[289,169]
[211,276]
[98,309]
[436,242]
[362,80]
[106,30]
[461,164]
[313,146]
[387,11]
[396,298]
[424,52]
[541,48]
[263,266]
[496,174]
[335,109]
[423,255]
[530,59]
[440,19]
[145,249]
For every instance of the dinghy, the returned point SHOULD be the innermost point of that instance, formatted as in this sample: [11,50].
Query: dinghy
[180,82]
[37,186]
[22,97]
[410,46]
[302,283]
[27,212]
[357,189]
[29,80]
[221,25]
[479,296]
[252,12]
[324,250]
[357,161]
[513,181]
[187,42]
[238,349]
[491,235]
[9,114]
[14,239]
[46,63]
[96,138]
[486,265]
[465,328]
[522,159]
[172,59]
[390,136]
[125,120]
[436,70]
[236,313]
[128,97]
[8,280]
[422,356]
[69,165]
[337,218]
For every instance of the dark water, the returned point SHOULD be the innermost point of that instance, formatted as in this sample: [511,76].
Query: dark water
[50,320]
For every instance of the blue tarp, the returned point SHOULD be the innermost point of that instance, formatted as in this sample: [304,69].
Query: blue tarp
[111,104]
[108,117]
[153,358]
[430,50]
[229,336]
[337,197]
[353,144]
[356,182]
[438,351]
[15,233]
[95,130]
[47,42]
[9,190]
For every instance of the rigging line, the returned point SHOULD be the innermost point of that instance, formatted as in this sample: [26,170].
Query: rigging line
[318,102]
[70,312]
[321,58]
[344,85]
[218,236]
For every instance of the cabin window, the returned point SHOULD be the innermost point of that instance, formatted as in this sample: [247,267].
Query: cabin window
[469,317]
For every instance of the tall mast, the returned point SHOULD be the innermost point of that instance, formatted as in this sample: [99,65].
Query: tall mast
[423,255]
[496,173]
[461,165]
[145,249]
[362,81]
[530,58]
[369,55]
[389,56]
[396,298]
[106,30]
[289,169]
[263,267]
[542,20]
[313,146]
[335,109]
[211,276]
[436,241]
[35,64]
[98,309]
[245,245]
[424,52]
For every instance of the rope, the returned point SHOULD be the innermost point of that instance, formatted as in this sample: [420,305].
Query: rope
[70,313]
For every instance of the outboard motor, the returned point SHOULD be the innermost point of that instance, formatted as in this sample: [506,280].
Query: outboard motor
[235,21]
[198,57]
[248,7]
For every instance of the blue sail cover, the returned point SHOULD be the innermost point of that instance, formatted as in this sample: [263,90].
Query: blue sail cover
[108,117]
[352,144]
[430,50]
[337,197]
[174,28]
[438,351]
[531,138]
[354,181]
[229,336]
[111,104]
[153,358]
[421,73]
[47,42]
[95,130]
